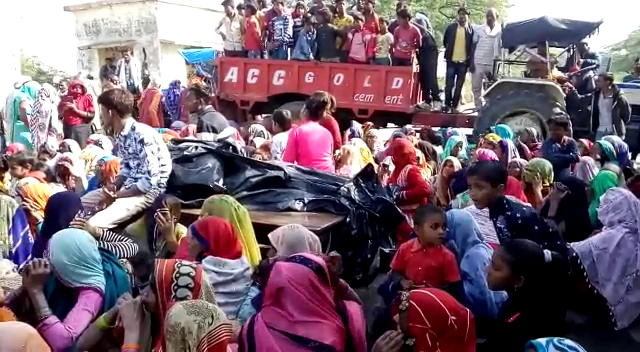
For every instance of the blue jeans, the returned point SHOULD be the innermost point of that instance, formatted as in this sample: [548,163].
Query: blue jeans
[254,54]
[382,61]
[280,53]
[456,74]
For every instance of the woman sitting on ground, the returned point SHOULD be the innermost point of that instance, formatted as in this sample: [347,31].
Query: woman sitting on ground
[536,181]
[69,289]
[214,243]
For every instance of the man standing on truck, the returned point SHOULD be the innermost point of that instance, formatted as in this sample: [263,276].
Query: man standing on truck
[458,41]
[406,38]
[486,48]
[232,31]
[428,62]
[326,37]
[280,32]
[371,19]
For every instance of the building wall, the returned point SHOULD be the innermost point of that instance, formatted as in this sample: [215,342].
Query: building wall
[118,24]
[172,65]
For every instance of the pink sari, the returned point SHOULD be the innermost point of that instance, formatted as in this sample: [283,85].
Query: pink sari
[299,313]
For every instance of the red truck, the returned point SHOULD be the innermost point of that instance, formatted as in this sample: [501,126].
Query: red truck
[383,94]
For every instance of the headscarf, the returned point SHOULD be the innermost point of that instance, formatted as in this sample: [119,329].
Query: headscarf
[503,131]
[293,238]
[150,105]
[438,322]
[586,142]
[621,148]
[522,163]
[484,154]
[61,208]
[603,181]
[492,137]
[607,150]
[355,130]
[451,143]
[101,141]
[514,189]
[38,194]
[109,167]
[538,167]
[216,237]
[509,150]
[258,130]
[20,133]
[465,240]
[75,259]
[573,209]
[90,156]
[610,258]
[72,145]
[15,148]
[196,326]
[586,169]
[351,161]
[403,153]
[226,207]
[304,278]
[188,131]
[172,99]
[177,281]
[23,338]
[373,141]
[169,135]
[44,114]
[553,344]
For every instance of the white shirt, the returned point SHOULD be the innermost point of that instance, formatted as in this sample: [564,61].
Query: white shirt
[278,145]
[488,42]
[231,30]
[605,121]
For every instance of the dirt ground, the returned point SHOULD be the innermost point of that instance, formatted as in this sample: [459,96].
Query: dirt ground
[592,337]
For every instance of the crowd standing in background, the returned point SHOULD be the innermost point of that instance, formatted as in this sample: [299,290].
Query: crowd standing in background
[499,238]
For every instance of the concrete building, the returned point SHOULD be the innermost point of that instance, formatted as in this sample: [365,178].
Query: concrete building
[154,29]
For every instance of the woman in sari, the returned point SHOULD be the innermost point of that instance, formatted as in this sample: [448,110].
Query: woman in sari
[586,169]
[442,181]
[22,111]
[163,283]
[172,100]
[227,208]
[536,181]
[350,161]
[34,198]
[70,289]
[464,239]
[15,238]
[603,181]
[44,122]
[23,338]
[516,167]
[105,173]
[507,151]
[158,230]
[503,131]
[490,141]
[287,322]
[568,206]
[293,238]
[608,261]
[603,152]
[60,209]
[197,326]
[430,165]
[150,105]
[456,147]
[69,174]
[214,243]
[414,191]
[623,157]
[434,321]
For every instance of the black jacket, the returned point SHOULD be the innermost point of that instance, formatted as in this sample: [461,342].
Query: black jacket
[450,38]
[620,114]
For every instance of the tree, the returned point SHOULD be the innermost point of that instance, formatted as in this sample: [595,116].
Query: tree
[443,12]
[624,52]
[37,70]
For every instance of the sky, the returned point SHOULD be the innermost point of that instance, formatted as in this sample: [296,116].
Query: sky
[53,40]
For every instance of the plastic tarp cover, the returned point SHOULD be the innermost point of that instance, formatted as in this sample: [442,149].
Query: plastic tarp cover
[201,169]
[196,56]
[559,32]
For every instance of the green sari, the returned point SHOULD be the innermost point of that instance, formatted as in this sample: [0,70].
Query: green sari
[20,130]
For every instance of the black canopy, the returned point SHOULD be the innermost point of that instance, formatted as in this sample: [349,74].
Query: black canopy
[559,32]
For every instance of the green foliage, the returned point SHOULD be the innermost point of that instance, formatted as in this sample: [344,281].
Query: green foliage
[443,12]
[37,70]
[624,52]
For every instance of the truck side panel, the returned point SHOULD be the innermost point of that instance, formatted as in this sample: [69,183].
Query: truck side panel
[359,87]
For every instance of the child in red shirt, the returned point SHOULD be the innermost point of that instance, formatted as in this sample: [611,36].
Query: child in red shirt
[360,43]
[424,261]
[253,34]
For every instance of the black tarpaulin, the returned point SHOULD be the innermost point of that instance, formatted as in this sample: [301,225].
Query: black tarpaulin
[201,169]
[559,32]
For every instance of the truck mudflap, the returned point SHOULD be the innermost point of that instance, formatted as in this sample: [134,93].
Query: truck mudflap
[362,88]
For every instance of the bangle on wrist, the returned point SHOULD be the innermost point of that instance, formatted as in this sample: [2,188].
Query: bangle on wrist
[130,347]
[44,313]
[102,324]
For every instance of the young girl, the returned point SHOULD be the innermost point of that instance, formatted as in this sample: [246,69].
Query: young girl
[535,280]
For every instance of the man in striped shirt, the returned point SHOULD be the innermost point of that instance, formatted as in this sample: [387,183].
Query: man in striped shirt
[486,48]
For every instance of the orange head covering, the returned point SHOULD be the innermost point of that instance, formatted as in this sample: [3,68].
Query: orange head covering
[37,194]
[110,169]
